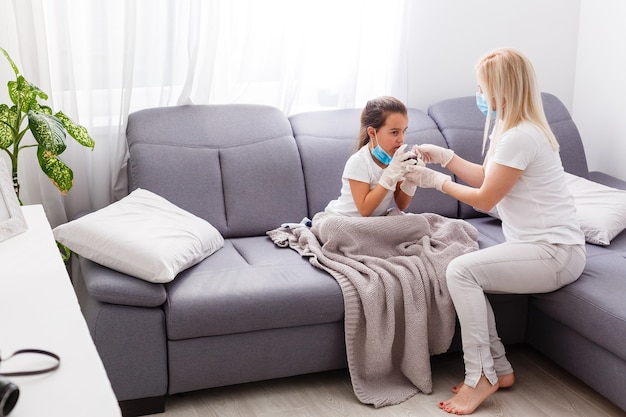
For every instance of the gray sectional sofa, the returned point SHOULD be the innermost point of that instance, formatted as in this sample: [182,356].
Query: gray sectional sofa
[253,311]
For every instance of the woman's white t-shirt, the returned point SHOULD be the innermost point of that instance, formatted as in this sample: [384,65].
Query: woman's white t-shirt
[360,167]
[539,207]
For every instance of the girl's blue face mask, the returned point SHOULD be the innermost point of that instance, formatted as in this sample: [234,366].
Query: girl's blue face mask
[482,105]
[380,154]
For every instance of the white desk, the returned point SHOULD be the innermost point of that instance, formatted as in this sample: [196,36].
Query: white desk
[39,310]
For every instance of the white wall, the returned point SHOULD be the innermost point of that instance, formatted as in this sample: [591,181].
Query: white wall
[447,38]
[578,48]
[600,90]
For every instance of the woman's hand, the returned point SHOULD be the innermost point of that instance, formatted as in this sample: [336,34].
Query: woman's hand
[433,154]
[425,177]
[409,185]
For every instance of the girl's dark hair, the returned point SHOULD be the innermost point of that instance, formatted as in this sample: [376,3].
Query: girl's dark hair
[375,114]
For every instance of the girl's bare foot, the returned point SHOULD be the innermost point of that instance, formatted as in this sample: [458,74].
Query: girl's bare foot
[504,381]
[468,399]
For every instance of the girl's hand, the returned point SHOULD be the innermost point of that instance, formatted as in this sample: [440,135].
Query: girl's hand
[396,168]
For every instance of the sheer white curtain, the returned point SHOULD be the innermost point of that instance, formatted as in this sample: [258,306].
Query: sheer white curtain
[101,60]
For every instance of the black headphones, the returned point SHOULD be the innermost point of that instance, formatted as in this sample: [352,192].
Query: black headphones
[9,392]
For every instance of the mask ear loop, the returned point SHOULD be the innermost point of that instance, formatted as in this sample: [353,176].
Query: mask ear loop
[34,372]
[373,145]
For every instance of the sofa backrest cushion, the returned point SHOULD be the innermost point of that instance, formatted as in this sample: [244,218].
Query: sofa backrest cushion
[566,132]
[462,126]
[236,166]
[326,139]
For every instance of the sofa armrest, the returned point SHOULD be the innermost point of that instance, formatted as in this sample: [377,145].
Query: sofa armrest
[608,180]
[109,286]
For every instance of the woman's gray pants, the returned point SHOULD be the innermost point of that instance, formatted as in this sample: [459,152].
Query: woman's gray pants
[516,268]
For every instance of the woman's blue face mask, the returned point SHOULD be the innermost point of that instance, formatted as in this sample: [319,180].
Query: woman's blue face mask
[482,105]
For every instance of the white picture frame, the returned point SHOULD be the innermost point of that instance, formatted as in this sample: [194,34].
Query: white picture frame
[12,221]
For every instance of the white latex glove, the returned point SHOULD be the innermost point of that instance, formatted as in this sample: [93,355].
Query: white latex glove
[409,186]
[426,178]
[396,168]
[433,154]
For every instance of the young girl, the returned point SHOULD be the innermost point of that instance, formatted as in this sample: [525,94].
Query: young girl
[522,176]
[372,177]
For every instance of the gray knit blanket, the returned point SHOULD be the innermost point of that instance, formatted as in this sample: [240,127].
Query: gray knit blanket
[392,273]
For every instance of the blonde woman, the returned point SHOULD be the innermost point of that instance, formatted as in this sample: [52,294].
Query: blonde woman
[523,178]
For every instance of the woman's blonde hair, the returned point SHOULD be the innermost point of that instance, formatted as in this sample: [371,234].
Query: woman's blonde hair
[509,77]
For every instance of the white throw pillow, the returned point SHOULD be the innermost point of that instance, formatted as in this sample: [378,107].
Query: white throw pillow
[601,210]
[142,235]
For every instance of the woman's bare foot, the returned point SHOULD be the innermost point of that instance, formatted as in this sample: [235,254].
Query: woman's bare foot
[504,381]
[468,399]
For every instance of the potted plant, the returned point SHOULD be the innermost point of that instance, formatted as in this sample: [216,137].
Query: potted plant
[48,129]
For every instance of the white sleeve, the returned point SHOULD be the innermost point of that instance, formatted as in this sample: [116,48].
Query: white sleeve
[356,169]
[515,150]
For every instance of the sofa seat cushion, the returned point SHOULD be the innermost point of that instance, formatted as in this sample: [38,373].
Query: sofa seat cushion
[489,231]
[594,304]
[618,246]
[248,285]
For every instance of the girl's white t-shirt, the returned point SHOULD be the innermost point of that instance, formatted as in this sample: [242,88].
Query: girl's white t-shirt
[360,167]
[539,207]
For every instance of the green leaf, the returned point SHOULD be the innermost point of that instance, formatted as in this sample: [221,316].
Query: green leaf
[59,173]
[27,86]
[8,119]
[43,109]
[25,94]
[6,54]
[66,252]
[78,132]
[48,132]
[14,93]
